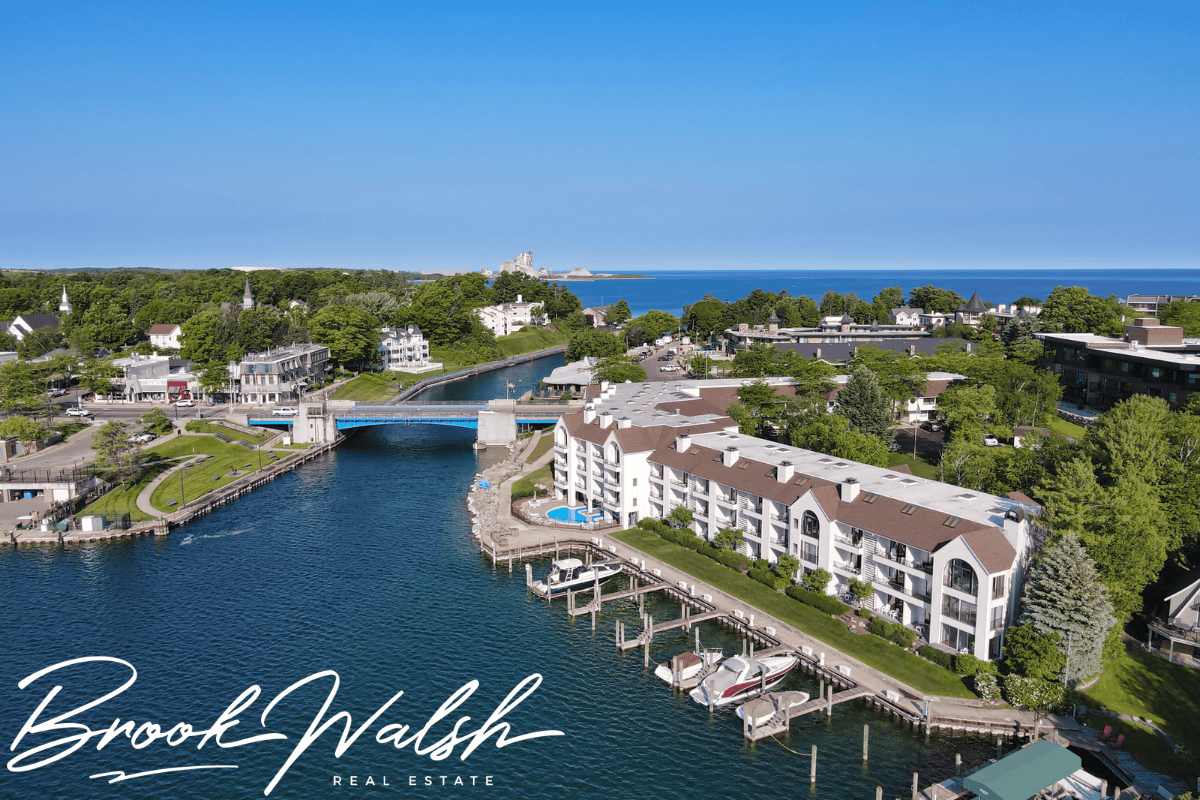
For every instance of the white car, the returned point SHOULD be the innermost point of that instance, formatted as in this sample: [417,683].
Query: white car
[991,441]
[76,411]
[55,392]
[184,403]
[286,411]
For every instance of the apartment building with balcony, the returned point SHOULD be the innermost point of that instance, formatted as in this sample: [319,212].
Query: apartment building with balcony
[943,560]
[1099,371]
[405,349]
[279,375]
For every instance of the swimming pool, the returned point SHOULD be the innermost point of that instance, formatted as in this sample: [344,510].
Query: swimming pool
[567,514]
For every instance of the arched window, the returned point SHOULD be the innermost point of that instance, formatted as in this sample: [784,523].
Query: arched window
[810,525]
[560,437]
[960,576]
[614,454]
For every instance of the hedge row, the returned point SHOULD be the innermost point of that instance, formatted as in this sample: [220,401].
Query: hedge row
[817,600]
[768,578]
[687,538]
[892,631]
[939,657]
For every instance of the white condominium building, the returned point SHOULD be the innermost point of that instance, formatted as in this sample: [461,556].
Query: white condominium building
[405,349]
[509,318]
[943,560]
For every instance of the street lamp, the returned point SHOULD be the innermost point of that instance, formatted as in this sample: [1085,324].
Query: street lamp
[182,497]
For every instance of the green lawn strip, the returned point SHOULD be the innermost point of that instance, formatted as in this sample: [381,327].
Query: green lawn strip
[1066,428]
[540,449]
[913,670]
[69,429]
[124,501]
[918,467]
[1143,685]
[199,480]
[374,387]
[540,481]
[1151,750]
[193,445]
[530,340]
[227,432]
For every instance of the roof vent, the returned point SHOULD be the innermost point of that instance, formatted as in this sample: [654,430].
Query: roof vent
[730,456]
[683,443]
[784,472]
[589,413]
[624,422]
[606,419]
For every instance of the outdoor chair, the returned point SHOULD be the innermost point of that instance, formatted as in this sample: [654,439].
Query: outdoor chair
[1107,732]
[1120,742]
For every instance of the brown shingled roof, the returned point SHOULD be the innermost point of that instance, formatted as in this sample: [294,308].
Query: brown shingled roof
[161,329]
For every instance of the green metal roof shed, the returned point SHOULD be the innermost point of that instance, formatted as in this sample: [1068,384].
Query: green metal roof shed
[1021,775]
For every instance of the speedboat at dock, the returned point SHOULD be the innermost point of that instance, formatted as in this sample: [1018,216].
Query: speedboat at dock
[688,666]
[571,574]
[740,678]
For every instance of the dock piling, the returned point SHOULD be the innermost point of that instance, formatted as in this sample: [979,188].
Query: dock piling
[1103,789]
[812,770]
[528,575]
[878,793]
[866,729]
[829,707]
[957,764]
[914,791]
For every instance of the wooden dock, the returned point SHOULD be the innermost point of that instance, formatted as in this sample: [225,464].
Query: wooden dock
[771,714]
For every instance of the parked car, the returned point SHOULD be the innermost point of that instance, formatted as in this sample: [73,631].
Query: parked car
[56,392]
[76,411]
[286,411]
[934,426]
[991,441]
[184,403]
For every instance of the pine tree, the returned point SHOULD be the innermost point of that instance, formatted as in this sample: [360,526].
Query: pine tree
[1064,596]
[862,401]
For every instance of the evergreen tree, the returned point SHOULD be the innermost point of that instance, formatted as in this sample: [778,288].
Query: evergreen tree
[1064,597]
[865,406]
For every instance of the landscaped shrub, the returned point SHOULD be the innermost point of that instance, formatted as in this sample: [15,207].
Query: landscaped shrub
[939,657]
[690,540]
[645,524]
[880,627]
[817,600]
[761,563]
[903,636]
[733,560]
[967,664]
[707,549]
[1032,693]
[865,613]
[987,686]
[768,578]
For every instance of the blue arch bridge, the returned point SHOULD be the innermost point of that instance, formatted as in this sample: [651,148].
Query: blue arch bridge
[495,420]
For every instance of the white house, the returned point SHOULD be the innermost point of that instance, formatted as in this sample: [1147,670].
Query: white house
[405,349]
[509,318]
[26,324]
[906,316]
[165,337]
[934,319]
[943,560]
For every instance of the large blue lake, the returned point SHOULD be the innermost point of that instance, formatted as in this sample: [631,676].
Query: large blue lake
[672,290]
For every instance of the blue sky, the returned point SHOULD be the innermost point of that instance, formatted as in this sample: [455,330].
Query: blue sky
[604,135]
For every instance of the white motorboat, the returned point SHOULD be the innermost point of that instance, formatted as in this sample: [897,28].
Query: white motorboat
[686,666]
[571,574]
[779,702]
[740,678]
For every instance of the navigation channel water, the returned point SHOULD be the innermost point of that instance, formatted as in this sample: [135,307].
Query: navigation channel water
[361,562]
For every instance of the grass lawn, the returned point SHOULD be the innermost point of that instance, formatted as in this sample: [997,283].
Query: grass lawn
[199,479]
[374,387]
[1066,428]
[229,433]
[69,429]
[540,480]
[530,340]
[124,501]
[193,446]
[540,449]
[1144,685]
[883,656]
[919,467]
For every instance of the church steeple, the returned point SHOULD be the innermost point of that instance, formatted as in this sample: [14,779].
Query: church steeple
[64,307]
[247,298]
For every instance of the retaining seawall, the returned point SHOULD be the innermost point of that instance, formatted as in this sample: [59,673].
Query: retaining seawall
[479,369]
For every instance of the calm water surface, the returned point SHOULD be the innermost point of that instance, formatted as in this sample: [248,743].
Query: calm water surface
[361,562]
[672,290]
